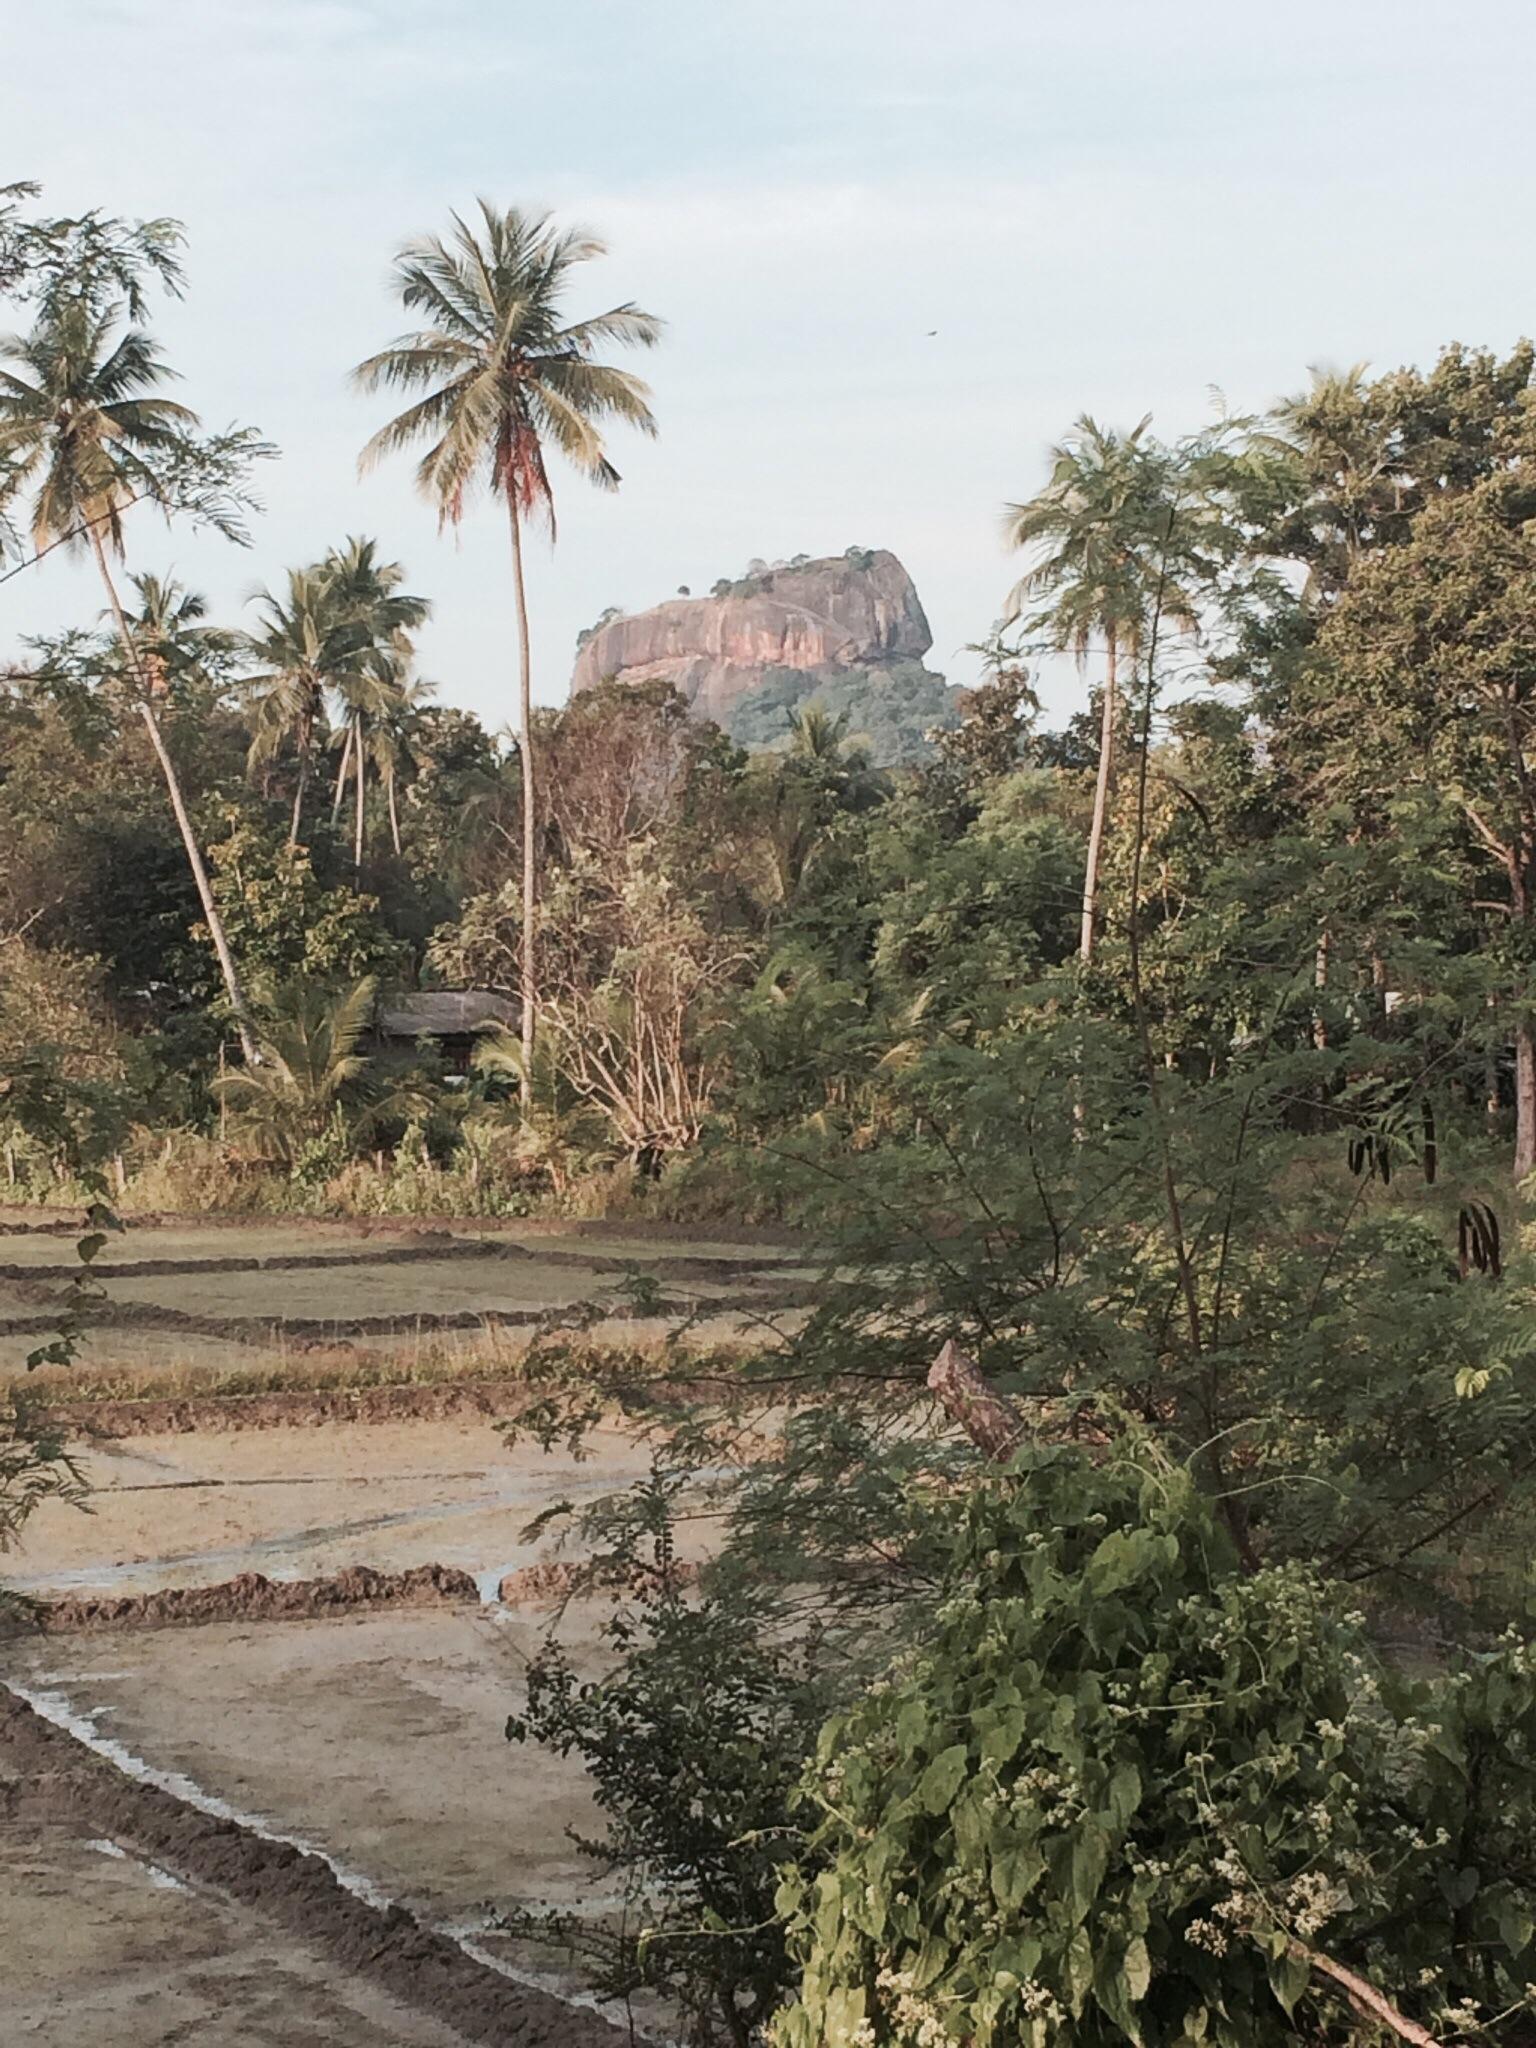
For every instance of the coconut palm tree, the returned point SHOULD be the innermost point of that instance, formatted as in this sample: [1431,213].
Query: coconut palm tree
[369,696]
[1337,453]
[817,736]
[81,421]
[299,644]
[372,681]
[503,377]
[170,634]
[1104,529]
[390,742]
[312,1063]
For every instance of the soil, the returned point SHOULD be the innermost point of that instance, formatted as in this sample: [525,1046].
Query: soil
[103,1950]
[52,1777]
[307,1503]
[557,1579]
[424,1248]
[375,1738]
[311,1408]
[254,1597]
[450,1400]
[25,1220]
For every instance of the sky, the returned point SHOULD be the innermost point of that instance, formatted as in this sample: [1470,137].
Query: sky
[899,247]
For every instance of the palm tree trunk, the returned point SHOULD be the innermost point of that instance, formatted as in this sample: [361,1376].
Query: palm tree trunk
[1525,1099]
[341,776]
[358,767]
[528,966]
[394,815]
[237,1003]
[306,741]
[1100,806]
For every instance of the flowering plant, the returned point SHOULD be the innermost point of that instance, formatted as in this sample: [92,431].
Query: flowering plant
[1130,1791]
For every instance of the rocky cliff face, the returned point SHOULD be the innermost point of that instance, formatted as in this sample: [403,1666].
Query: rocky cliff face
[843,614]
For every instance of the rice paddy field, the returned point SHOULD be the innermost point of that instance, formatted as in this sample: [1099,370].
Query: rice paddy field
[205,1298]
[248,1830]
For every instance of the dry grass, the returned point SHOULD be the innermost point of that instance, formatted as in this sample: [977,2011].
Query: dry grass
[170,1372]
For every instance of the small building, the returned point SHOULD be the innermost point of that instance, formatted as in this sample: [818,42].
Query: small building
[453,1019]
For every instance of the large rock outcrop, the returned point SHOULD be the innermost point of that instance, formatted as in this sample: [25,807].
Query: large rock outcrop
[843,614]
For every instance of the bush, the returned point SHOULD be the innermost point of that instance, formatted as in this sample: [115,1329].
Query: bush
[1127,1792]
[695,1746]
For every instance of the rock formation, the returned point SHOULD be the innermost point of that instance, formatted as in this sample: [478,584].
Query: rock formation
[843,614]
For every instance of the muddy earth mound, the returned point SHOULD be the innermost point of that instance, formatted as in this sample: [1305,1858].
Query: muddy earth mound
[559,1579]
[254,1597]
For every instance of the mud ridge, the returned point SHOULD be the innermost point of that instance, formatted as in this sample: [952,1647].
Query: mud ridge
[276,1262]
[557,1579]
[254,1597]
[693,1266]
[323,1331]
[291,1887]
[14,1222]
[313,1407]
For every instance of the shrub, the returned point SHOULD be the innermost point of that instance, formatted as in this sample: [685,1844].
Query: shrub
[695,1745]
[1127,1792]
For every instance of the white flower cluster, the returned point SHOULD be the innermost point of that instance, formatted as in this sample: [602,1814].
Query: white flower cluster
[916,2019]
[1312,1900]
[1463,2018]
[1040,2004]
[1207,1935]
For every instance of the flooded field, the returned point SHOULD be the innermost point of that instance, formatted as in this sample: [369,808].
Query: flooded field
[186,1297]
[199,1507]
[367,1744]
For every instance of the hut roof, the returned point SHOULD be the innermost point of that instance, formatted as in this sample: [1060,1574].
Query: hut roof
[446,1013]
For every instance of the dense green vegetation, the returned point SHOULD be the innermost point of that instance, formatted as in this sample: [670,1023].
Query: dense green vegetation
[1180,1067]
[891,711]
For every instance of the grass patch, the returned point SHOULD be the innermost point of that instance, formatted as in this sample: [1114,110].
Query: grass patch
[487,1358]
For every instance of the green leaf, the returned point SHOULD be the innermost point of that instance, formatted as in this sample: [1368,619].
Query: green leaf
[943,1778]
[1122,1558]
[1077,1971]
[1138,1969]
[1124,1794]
[1015,1873]
[1090,1855]
[1001,1741]
[1460,1886]
[1289,1976]
[929,1962]
[1515,1927]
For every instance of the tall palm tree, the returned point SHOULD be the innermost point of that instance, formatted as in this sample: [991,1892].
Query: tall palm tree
[170,634]
[503,376]
[1103,527]
[80,419]
[390,742]
[299,643]
[1336,449]
[373,678]
[369,695]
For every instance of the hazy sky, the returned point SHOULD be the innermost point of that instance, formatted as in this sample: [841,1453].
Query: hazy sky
[1100,205]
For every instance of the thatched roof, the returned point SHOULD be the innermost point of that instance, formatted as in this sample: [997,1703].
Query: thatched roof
[446,1013]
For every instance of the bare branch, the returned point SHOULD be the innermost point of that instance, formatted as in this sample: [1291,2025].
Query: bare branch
[991,1423]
